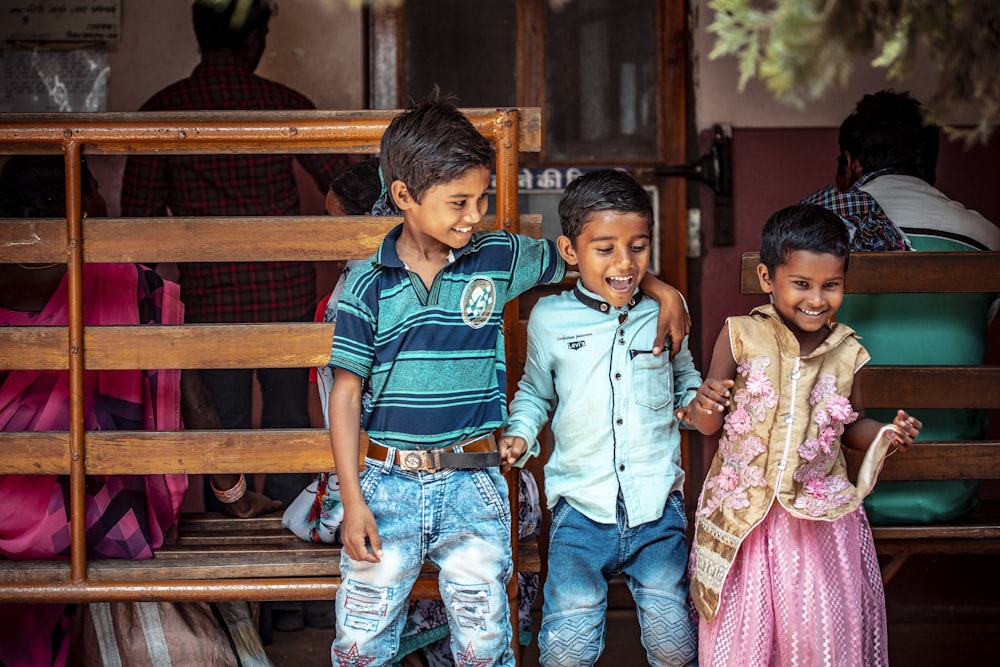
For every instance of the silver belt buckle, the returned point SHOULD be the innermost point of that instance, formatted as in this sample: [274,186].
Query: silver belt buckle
[415,460]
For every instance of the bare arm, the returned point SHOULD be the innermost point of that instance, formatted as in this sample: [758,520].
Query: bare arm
[707,411]
[860,433]
[198,411]
[358,531]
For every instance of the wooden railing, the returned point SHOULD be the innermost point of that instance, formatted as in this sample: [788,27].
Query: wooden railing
[212,560]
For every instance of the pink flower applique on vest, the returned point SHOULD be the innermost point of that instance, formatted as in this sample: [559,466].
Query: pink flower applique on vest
[821,492]
[738,444]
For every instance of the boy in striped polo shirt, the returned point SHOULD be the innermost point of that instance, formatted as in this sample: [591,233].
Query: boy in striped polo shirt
[418,357]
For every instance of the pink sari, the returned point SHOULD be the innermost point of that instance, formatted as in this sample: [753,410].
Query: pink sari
[127,516]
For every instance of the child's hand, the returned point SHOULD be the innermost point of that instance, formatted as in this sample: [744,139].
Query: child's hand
[358,531]
[512,448]
[673,322]
[712,397]
[907,430]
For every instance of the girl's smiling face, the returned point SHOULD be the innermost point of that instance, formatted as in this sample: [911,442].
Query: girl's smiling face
[807,289]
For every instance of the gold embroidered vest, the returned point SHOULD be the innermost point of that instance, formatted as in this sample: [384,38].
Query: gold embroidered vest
[780,442]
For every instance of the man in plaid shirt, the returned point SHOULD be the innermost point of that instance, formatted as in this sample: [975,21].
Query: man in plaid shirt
[236,185]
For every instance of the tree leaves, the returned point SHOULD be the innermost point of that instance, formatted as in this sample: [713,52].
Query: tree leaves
[802,48]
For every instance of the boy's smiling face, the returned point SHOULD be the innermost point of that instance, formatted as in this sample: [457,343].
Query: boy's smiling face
[611,253]
[448,211]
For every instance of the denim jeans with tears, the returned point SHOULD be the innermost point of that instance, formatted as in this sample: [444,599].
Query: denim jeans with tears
[460,521]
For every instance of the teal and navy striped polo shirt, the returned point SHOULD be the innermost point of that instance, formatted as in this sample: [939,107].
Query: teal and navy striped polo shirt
[436,358]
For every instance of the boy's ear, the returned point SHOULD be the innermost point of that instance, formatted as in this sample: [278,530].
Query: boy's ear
[401,195]
[566,249]
[765,278]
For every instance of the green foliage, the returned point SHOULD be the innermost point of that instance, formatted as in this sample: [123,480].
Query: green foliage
[802,48]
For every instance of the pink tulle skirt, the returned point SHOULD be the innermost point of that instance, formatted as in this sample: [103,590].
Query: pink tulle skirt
[800,593]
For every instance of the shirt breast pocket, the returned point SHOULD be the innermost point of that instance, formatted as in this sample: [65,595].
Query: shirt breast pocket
[652,379]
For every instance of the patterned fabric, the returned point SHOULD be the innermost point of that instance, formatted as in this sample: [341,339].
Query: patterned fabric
[436,357]
[869,228]
[127,516]
[781,442]
[801,593]
[426,626]
[230,185]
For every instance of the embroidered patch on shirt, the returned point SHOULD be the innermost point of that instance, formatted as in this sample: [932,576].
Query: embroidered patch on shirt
[478,301]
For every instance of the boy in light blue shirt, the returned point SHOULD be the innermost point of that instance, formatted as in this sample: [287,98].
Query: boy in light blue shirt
[614,480]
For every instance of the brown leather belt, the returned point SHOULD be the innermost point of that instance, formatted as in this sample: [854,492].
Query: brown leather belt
[477,452]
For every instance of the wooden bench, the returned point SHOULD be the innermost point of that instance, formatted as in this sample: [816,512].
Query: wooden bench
[917,387]
[213,558]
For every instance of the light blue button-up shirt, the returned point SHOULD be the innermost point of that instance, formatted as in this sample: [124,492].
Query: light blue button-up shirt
[613,402]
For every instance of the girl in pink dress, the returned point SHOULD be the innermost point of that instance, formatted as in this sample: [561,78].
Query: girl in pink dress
[784,569]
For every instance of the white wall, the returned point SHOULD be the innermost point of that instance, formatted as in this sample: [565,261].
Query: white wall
[718,99]
[313,46]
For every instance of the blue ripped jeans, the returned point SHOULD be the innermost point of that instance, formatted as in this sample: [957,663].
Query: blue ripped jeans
[584,555]
[460,521]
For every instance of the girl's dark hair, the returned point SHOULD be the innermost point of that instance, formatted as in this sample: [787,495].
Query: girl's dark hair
[602,190]
[358,187]
[431,143]
[803,227]
[34,186]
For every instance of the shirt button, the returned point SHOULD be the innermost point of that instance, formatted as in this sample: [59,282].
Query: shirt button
[618,376]
[621,467]
[621,341]
[619,421]
[796,375]
[789,419]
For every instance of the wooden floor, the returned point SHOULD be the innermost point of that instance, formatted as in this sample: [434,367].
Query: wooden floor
[942,611]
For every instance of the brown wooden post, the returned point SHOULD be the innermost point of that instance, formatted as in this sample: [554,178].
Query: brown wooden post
[505,134]
[75,352]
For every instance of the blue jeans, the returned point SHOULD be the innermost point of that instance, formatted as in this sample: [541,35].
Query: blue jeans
[460,521]
[584,555]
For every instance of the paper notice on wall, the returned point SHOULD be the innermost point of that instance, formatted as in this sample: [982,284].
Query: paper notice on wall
[60,20]
[43,80]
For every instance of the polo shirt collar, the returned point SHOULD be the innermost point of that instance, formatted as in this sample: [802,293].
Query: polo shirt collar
[387,256]
[591,300]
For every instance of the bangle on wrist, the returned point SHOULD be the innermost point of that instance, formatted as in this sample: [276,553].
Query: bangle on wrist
[233,494]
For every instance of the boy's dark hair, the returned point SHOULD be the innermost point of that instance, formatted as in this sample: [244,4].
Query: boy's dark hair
[429,143]
[226,24]
[887,131]
[803,227]
[358,187]
[34,186]
[602,190]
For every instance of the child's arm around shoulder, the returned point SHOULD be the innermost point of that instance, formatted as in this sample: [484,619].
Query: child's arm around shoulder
[860,433]
[708,408]
[358,530]
[674,321]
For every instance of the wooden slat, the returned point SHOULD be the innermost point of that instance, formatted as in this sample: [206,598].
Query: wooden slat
[156,240]
[278,345]
[904,272]
[175,452]
[975,459]
[914,387]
